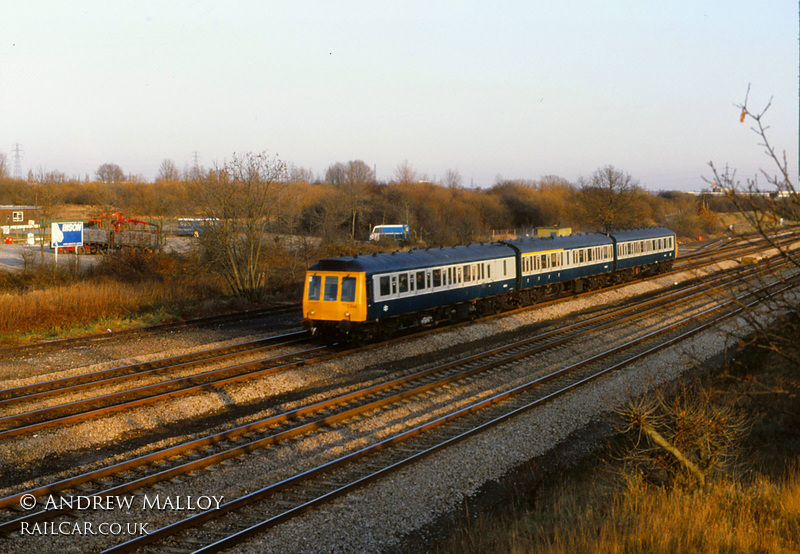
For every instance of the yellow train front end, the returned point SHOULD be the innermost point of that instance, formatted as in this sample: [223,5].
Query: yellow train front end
[333,301]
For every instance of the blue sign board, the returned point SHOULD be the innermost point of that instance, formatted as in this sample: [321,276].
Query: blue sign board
[68,233]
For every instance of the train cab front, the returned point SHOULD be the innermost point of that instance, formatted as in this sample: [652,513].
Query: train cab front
[334,303]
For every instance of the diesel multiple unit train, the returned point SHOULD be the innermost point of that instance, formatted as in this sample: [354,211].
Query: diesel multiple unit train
[372,296]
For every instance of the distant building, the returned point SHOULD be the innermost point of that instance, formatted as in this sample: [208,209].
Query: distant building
[19,218]
[553,231]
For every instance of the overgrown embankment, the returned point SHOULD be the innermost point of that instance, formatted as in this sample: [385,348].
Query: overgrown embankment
[739,425]
[124,289]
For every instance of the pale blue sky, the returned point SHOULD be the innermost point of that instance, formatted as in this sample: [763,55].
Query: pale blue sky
[518,89]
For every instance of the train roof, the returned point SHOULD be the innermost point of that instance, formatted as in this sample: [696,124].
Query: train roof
[646,233]
[544,244]
[432,257]
[414,259]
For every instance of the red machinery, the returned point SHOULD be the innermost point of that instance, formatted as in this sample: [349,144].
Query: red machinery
[114,231]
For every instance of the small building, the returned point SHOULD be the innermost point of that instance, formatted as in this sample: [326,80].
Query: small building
[544,232]
[19,218]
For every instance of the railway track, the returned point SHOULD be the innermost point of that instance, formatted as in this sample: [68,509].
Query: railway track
[435,377]
[740,246]
[116,375]
[248,515]
[69,413]
[18,421]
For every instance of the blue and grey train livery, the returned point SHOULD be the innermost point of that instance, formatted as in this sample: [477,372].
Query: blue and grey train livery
[370,296]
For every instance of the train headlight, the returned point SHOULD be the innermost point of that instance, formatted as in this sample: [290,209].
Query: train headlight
[347,314]
[311,312]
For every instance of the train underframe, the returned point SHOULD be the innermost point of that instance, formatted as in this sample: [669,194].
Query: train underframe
[381,329]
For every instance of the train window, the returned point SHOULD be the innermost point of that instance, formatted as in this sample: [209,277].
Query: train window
[314,287]
[505,269]
[348,289]
[420,280]
[403,279]
[466,274]
[488,271]
[394,284]
[384,285]
[580,256]
[588,254]
[543,261]
[331,289]
[437,278]
[554,260]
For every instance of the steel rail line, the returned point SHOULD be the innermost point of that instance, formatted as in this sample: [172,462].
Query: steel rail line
[104,377]
[372,475]
[189,385]
[577,329]
[18,423]
[569,332]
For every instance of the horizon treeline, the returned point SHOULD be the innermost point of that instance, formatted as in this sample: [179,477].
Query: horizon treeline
[349,201]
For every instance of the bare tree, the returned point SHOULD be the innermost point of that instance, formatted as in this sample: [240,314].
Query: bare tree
[242,198]
[353,179]
[767,209]
[44,194]
[296,174]
[110,173]
[452,179]
[609,199]
[168,171]
[335,174]
[405,174]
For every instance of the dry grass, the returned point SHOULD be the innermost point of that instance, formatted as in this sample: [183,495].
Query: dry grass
[761,516]
[120,291]
[728,517]
[612,505]
[73,305]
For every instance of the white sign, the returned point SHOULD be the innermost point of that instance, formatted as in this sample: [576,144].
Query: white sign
[66,234]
